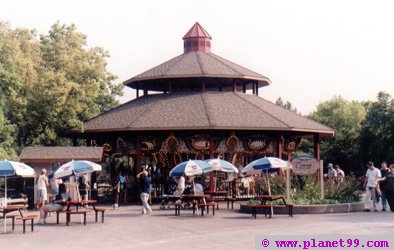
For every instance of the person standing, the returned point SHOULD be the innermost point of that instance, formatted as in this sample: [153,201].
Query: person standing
[181,186]
[42,184]
[389,186]
[331,173]
[340,173]
[370,184]
[83,187]
[384,171]
[145,188]
[120,189]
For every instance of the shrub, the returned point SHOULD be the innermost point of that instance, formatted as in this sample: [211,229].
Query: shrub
[305,190]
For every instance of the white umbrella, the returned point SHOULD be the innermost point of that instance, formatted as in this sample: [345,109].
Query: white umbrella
[75,168]
[13,168]
[190,168]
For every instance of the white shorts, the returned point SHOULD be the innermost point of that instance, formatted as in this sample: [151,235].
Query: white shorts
[42,195]
[52,207]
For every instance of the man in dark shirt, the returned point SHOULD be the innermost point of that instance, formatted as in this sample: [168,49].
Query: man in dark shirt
[145,187]
[384,170]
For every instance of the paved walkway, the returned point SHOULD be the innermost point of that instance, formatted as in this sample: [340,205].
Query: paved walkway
[126,228]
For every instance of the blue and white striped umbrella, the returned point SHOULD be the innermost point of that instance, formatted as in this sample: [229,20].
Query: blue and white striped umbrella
[265,165]
[13,168]
[222,166]
[75,168]
[191,168]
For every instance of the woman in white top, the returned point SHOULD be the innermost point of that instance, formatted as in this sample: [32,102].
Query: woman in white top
[181,186]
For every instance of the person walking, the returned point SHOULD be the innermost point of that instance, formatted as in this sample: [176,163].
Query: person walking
[145,187]
[120,189]
[42,184]
[389,186]
[384,171]
[370,184]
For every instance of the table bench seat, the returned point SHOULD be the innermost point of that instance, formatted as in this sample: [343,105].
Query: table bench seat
[268,209]
[10,216]
[207,205]
[27,218]
[81,212]
[100,210]
[230,200]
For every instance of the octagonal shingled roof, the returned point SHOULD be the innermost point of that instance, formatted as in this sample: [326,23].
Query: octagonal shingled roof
[202,111]
[198,64]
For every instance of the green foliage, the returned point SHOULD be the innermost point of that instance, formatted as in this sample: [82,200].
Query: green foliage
[6,139]
[377,136]
[278,184]
[346,118]
[52,82]
[305,190]
[344,192]
[286,105]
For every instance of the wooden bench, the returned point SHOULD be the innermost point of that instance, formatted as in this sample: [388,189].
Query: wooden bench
[57,215]
[11,216]
[207,205]
[232,200]
[81,212]
[27,218]
[98,210]
[178,207]
[217,200]
[268,209]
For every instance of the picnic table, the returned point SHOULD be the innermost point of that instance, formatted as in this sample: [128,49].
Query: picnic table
[196,201]
[269,198]
[216,193]
[268,206]
[78,204]
[9,209]
[168,199]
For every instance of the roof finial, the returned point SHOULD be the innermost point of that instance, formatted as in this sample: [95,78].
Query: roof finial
[197,39]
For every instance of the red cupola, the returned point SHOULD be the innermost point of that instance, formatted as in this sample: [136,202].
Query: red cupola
[197,39]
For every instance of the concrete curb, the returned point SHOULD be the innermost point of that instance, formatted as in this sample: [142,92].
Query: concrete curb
[313,209]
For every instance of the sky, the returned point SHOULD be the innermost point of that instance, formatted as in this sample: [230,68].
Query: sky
[311,50]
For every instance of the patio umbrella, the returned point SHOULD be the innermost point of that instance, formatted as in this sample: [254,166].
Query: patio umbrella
[190,168]
[266,165]
[13,168]
[75,168]
[222,166]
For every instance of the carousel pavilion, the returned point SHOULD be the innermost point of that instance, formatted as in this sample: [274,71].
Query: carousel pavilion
[199,110]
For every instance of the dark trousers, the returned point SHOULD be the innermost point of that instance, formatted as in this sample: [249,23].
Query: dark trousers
[390,199]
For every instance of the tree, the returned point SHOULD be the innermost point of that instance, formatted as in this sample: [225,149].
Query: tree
[53,82]
[6,139]
[346,118]
[377,136]
[286,105]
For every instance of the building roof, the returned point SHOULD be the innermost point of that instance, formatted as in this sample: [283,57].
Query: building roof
[197,31]
[197,64]
[202,111]
[61,154]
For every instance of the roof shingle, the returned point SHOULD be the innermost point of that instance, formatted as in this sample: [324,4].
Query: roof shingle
[202,110]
